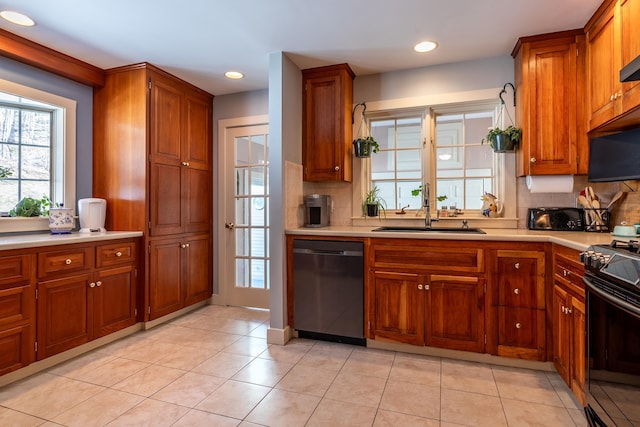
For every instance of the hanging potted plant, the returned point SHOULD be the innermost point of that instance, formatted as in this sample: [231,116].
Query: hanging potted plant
[373,203]
[363,145]
[504,140]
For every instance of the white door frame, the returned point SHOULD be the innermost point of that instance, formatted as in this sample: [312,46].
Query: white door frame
[220,272]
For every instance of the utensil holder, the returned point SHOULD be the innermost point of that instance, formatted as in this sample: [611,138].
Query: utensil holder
[597,219]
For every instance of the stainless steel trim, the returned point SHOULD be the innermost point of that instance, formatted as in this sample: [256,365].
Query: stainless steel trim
[617,302]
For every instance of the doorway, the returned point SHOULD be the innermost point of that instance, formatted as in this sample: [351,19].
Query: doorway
[245,258]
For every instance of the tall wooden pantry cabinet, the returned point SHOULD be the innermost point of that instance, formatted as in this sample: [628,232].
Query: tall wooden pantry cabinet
[152,162]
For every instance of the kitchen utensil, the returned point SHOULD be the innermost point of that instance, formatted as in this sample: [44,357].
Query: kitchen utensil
[615,198]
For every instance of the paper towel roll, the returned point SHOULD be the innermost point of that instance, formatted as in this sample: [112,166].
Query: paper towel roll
[550,183]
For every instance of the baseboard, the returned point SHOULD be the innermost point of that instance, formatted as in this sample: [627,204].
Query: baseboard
[279,336]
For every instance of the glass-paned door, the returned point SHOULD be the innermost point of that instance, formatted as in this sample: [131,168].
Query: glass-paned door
[247,217]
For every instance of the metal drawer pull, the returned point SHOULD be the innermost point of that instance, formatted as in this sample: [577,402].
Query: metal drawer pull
[67,261]
[92,285]
[98,283]
[518,325]
[118,254]
[337,168]
[517,266]
[419,287]
[185,163]
[516,291]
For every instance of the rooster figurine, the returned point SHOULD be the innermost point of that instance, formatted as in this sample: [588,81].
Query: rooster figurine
[491,206]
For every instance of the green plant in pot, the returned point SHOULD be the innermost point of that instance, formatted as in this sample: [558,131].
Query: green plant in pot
[373,203]
[504,140]
[364,146]
[27,207]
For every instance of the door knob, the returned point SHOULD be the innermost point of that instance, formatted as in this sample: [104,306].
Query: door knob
[337,168]
[533,160]
[517,266]
[516,291]
[518,325]
[229,225]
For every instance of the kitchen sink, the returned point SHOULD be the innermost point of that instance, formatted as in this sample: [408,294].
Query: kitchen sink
[431,230]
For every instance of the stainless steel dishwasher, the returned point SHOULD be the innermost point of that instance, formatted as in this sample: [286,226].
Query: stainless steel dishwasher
[328,290]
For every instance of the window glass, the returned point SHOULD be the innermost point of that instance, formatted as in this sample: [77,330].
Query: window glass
[464,168]
[397,168]
[26,141]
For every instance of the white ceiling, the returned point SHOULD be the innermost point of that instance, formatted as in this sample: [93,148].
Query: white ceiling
[198,40]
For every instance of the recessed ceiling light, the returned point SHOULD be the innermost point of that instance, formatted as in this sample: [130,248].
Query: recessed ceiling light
[17,18]
[235,75]
[426,46]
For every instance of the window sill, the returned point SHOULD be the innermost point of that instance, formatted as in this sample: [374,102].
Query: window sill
[23,224]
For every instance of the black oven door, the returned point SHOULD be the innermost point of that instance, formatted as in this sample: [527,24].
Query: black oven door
[613,356]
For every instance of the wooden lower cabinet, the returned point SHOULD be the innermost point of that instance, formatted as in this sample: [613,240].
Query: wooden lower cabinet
[17,311]
[569,320]
[179,273]
[518,303]
[435,310]
[84,292]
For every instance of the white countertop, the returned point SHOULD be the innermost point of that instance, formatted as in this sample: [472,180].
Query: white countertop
[19,241]
[578,240]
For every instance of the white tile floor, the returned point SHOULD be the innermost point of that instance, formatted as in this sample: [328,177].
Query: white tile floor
[213,367]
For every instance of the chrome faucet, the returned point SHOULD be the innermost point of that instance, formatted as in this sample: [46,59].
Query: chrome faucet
[426,196]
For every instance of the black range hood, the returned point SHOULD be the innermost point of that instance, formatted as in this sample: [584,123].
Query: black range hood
[631,71]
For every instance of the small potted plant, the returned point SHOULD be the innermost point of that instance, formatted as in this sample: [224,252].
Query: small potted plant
[364,146]
[504,140]
[373,203]
[27,207]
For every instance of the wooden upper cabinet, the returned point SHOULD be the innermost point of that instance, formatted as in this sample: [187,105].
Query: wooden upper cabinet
[630,49]
[603,67]
[326,123]
[613,40]
[549,76]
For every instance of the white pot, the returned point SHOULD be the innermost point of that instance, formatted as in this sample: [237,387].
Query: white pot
[61,220]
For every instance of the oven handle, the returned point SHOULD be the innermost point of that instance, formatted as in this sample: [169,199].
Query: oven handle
[621,304]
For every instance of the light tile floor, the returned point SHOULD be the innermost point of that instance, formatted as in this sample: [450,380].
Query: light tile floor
[213,367]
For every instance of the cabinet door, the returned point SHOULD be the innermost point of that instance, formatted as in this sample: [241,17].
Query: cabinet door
[197,282]
[326,128]
[114,300]
[166,164]
[561,333]
[165,277]
[578,342]
[630,44]
[398,307]
[196,153]
[603,65]
[550,133]
[455,312]
[64,318]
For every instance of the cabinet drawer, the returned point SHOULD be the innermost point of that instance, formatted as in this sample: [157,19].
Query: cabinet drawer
[70,260]
[15,305]
[520,327]
[14,269]
[569,270]
[440,257]
[16,348]
[115,254]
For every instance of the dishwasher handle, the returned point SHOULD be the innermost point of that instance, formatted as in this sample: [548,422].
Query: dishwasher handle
[326,252]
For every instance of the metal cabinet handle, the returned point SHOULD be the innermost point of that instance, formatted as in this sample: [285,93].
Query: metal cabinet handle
[67,261]
[92,285]
[118,254]
[426,287]
[518,325]
[419,287]
[569,311]
[337,168]
[516,291]
[533,160]
[183,246]
[98,283]
[517,266]
[185,163]
[186,245]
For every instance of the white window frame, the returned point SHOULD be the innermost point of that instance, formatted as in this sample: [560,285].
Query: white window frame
[63,161]
[505,163]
